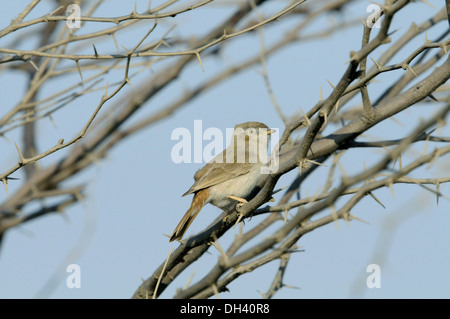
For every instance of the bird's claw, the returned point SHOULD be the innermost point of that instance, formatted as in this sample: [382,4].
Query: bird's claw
[241,203]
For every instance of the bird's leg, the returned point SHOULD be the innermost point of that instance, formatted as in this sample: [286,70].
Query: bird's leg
[241,201]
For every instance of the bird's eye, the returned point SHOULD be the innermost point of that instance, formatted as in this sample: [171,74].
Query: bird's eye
[251,131]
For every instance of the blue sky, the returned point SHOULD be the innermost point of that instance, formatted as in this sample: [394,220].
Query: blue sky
[134,195]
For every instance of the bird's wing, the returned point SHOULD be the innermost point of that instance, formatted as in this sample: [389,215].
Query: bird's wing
[215,173]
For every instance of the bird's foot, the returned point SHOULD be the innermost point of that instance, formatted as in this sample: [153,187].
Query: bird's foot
[241,201]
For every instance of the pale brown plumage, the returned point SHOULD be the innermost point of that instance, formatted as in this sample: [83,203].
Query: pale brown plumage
[219,179]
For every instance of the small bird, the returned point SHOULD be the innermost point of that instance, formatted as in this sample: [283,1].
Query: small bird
[231,176]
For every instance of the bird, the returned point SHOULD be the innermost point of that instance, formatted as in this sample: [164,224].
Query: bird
[231,176]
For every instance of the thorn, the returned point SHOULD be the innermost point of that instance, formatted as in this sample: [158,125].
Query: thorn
[425,147]
[126,50]
[241,230]
[363,22]
[435,156]
[349,60]
[394,159]
[314,162]
[128,81]
[54,11]
[22,159]
[294,250]
[160,275]
[376,199]
[106,90]
[376,64]
[290,286]
[285,216]
[263,295]
[199,60]
[320,96]
[432,131]
[164,43]
[95,50]
[178,240]
[391,187]
[437,193]
[358,219]
[238,220]
[392,32]
[5,183]
[221,251]
[407,66]
[78,196]
[432,97]
[79,70]
[353,57]
[34,65]
[308,122]
[190,277]
[279,190]
[393,118]
[215,290]
[115,42]
[335,216]
[426,38]
[341,168]
[330,84]
[51,120]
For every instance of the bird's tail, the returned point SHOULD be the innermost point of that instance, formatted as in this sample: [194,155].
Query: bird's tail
[198,202]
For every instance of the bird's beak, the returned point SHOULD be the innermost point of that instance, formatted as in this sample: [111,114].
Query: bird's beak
[271,131]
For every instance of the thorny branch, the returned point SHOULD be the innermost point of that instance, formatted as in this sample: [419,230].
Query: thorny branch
[308,140]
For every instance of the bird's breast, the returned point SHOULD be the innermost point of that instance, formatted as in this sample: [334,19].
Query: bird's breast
[240,186]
